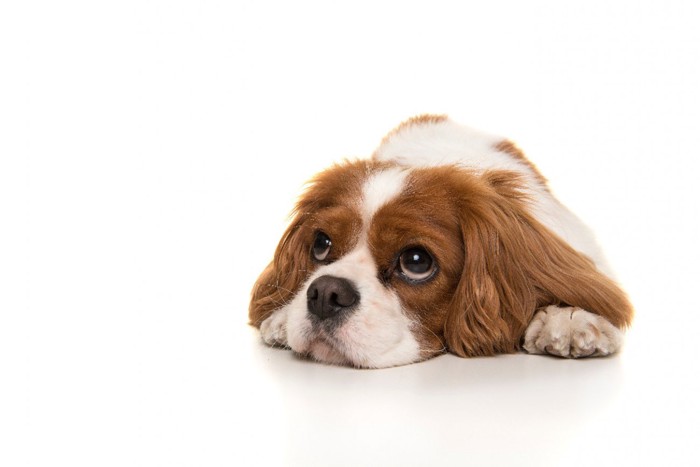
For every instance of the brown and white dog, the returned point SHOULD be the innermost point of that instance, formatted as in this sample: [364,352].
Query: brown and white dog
[447,239]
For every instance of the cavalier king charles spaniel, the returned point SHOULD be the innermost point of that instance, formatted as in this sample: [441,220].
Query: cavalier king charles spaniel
[447,239]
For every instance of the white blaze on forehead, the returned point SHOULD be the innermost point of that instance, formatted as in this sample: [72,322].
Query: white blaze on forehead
[380,188]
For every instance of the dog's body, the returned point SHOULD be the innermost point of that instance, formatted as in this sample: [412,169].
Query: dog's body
[447,239]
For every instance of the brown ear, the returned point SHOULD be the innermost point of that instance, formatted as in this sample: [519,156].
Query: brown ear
[280,280]
[513,266]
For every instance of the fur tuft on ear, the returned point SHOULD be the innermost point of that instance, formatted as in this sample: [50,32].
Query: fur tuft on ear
[514,266]
[280,280]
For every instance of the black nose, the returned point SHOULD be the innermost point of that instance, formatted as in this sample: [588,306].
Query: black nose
[328,296]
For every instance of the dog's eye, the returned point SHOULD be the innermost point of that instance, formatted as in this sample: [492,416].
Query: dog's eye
[416,264]
[321,247]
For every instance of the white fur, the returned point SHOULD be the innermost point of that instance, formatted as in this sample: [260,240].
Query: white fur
[379,189]
[571,332]
[274,328]
[429,144]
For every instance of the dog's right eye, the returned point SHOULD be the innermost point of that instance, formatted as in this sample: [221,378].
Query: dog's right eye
[416,265]
[321,247]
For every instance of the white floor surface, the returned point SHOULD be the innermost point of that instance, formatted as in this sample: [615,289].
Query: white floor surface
[150,151]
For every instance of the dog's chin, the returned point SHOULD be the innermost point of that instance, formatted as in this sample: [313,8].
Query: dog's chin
[323,345]
[322,350]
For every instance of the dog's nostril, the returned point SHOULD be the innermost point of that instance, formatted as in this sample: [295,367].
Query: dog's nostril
[312,294]
[327,296]
[345,298]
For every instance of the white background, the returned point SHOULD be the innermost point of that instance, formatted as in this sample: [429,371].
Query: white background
[150,151]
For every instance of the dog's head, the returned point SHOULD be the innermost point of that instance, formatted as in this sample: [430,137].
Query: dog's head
[385,264]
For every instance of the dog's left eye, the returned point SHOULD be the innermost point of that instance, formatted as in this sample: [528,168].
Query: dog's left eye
[321,247]
[416,264]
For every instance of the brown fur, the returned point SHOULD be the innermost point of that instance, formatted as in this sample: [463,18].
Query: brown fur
[513,150]
[514,265]
[425,216]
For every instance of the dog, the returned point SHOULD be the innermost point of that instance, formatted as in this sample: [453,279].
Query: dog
[446,239]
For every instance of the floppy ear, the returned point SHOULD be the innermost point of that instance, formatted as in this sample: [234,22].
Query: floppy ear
[494,299]
[280,280]
[513,266]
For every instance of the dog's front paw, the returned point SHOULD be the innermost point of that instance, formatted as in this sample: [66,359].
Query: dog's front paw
[274,329]
[572,333]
